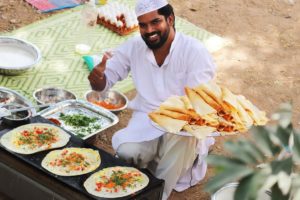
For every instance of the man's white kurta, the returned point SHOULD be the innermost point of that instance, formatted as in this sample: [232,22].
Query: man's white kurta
[187,64]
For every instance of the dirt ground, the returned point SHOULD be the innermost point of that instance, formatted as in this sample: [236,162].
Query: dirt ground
[260,60]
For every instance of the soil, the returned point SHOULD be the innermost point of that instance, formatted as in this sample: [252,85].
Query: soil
[260,59]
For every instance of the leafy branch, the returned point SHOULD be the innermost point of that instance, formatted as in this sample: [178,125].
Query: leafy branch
[268,162]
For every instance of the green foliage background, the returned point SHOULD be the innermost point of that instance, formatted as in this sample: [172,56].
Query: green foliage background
[268,162]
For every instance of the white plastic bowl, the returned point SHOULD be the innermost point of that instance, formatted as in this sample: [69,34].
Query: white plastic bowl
[227,193]
[17,56]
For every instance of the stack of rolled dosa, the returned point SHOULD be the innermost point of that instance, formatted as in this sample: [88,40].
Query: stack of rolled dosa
[208,108]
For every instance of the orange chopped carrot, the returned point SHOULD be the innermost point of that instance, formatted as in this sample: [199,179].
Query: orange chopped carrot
[107,105]
[110,185]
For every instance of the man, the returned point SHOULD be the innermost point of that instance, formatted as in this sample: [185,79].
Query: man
[162,62]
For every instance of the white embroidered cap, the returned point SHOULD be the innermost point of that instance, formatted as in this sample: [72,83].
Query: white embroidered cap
[146,6]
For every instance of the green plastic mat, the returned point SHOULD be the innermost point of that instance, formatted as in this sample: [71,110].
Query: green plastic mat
[60,66]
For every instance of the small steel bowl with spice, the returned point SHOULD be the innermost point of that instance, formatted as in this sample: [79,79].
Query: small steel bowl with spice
[112,100]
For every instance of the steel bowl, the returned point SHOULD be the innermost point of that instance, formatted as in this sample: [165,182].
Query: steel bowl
[17,56]
[9,96]
[227,193]
[16,118]
[52,95]
[113,97]
[6,97]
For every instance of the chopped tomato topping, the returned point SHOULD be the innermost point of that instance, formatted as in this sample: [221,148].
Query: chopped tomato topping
[72,161]
[37,137]
[118,180]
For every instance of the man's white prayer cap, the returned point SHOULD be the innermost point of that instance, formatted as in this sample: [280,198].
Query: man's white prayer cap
[146,6]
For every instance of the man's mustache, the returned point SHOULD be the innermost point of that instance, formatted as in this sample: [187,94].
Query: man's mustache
[147,35]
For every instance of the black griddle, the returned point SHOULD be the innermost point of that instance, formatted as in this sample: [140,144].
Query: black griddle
[76,182]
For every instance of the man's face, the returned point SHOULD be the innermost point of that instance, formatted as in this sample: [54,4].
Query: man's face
[154,29]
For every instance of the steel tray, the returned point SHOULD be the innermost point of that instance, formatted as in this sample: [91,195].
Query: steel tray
[104,117]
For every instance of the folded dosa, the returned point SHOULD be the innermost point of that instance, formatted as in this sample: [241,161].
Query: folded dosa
[168,123]
[213,90]
[226,126]
[211,120]
[176,104]
[259,117]
[208,99]
[173,102]
[244,116]
[230,99]
[200,132]
[174,114]
[208,105]
[200,106]
[186,102]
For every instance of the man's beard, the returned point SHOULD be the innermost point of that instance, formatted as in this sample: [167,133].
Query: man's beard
[162,39]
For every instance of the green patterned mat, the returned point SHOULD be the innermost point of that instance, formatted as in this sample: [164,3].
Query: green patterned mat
[60,66]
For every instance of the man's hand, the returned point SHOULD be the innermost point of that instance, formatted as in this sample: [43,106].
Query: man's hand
[97,77]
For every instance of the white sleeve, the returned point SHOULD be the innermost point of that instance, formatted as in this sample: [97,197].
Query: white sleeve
[117,67]
[200,66]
